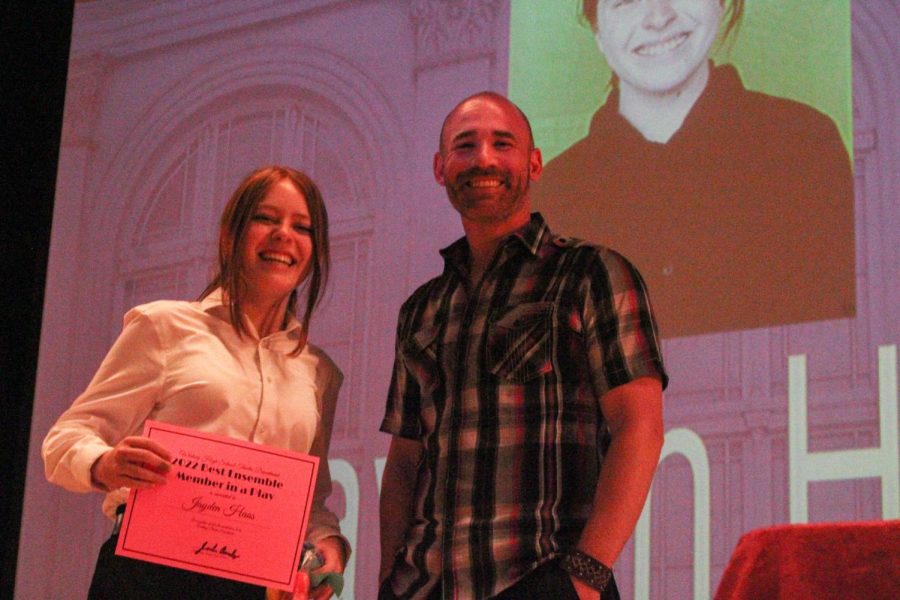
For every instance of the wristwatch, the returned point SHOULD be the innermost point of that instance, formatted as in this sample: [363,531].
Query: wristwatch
[586,568]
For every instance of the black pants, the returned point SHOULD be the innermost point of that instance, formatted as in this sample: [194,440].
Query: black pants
[551,582]
[547,582]
[129,579]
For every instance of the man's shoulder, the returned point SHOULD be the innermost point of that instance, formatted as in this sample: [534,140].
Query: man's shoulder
[425,292]
[589,257]
[561,242]
[565,241]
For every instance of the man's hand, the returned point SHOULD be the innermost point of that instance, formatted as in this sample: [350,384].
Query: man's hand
[135,462]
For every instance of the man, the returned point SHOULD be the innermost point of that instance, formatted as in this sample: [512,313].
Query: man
[529,362]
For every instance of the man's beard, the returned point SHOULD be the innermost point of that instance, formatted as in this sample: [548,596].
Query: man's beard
[471,203]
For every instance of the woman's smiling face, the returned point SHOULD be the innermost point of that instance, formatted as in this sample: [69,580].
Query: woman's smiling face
[657,46]
[277,247]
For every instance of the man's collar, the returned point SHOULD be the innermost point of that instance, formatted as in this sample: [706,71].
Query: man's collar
[531,236]
[534,233]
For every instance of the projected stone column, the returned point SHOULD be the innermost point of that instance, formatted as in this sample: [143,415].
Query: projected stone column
[461,48]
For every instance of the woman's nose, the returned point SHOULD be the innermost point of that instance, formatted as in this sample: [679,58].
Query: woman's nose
[659,15]
[281,230]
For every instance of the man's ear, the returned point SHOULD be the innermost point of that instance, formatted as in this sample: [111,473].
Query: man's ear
[536,162]
[438,166]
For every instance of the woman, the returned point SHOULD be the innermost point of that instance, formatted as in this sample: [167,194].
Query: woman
[736,206]
[236,362]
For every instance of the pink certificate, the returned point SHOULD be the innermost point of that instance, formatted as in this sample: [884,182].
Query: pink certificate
[230,508]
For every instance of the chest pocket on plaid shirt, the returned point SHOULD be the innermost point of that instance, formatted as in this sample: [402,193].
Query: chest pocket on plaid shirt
[521,342]
[420,357]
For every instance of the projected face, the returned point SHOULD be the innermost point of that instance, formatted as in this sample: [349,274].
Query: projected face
[657,46]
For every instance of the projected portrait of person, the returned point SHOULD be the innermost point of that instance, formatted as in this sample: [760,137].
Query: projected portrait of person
[737,206]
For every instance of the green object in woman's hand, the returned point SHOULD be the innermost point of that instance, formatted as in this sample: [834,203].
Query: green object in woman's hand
[311,560]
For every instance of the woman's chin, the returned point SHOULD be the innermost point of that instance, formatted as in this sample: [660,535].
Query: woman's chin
[661,83]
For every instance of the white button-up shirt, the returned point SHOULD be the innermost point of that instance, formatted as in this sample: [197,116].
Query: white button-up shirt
[183,363]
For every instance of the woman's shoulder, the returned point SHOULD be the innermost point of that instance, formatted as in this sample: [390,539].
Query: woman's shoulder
[161,311]
[324,362]
[779,109]
[779,113]
[327,375]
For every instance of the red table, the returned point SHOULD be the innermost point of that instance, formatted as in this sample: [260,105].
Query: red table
[819,562]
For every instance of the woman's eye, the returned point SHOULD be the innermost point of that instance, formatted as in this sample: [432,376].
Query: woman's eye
[302,228]
[263,218]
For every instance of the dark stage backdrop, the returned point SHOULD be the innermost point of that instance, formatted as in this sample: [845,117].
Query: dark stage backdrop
[780,419]
[34,51]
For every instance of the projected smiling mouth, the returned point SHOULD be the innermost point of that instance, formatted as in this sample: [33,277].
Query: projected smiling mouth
[663,47]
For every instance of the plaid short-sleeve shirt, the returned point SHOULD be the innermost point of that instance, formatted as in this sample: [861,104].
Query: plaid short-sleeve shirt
[501,384]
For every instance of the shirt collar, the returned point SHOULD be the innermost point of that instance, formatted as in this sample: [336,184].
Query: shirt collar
[530,237]
[213,304]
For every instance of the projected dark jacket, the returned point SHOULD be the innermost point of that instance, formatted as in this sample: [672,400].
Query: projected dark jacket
[744,218]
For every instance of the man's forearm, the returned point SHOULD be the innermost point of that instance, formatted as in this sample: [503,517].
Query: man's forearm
[397,499]
[396,517]
[622,488]
[634,415]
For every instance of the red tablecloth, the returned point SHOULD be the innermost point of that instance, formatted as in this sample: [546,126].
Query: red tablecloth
[819,562]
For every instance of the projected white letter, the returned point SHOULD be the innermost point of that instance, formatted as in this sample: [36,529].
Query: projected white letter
[881,461]
[379,471]
[688,444]
[342,473]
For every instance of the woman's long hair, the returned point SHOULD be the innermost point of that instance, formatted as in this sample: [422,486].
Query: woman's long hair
[233,229]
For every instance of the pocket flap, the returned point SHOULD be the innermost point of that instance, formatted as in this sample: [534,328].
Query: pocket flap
[522,314]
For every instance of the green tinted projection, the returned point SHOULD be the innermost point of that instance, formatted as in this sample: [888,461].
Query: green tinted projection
[797,49]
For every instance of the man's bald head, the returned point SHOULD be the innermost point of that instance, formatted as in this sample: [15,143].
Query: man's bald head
[493,97]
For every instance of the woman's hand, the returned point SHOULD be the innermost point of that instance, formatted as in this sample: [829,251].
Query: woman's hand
[135,462]
[332,552]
